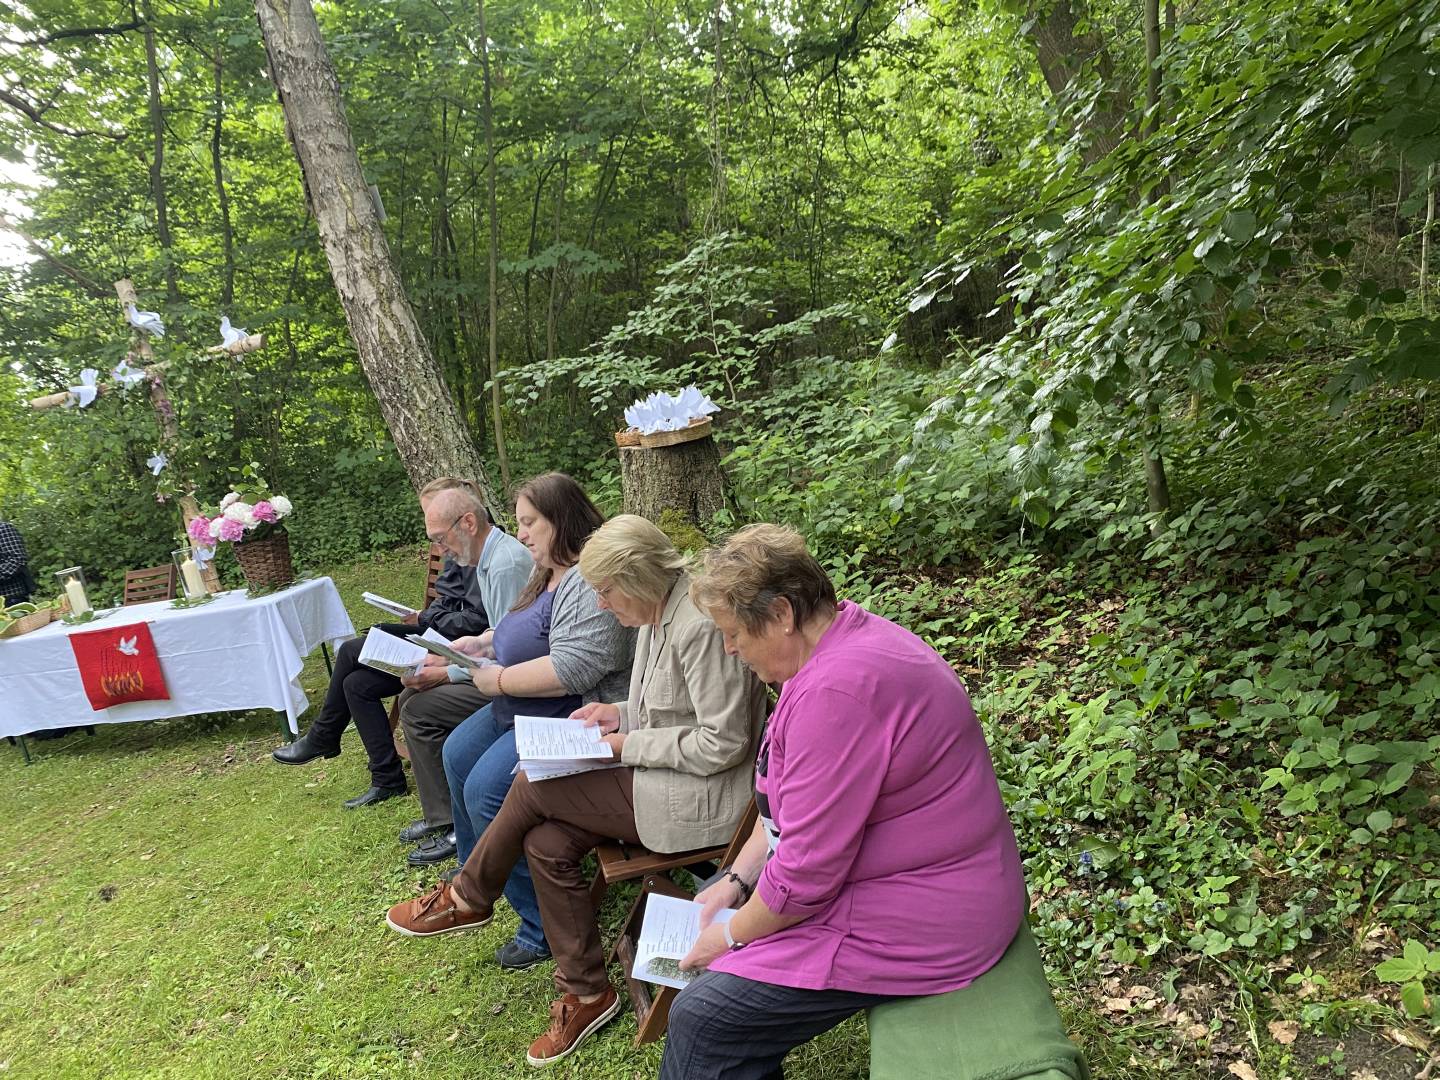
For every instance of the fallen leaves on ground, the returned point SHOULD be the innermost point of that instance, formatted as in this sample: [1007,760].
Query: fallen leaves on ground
[1284,1031]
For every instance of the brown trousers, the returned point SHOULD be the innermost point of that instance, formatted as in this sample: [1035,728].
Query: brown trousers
[428,717]
[555,823]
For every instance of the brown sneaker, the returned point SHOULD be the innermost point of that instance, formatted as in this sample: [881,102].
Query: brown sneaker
[570,1022]
[434,913]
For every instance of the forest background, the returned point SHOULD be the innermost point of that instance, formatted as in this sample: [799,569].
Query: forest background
[1094,342]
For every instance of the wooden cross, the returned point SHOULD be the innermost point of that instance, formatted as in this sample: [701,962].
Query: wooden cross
[141,351]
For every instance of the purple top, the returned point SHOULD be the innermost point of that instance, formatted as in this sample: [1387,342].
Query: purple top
[892,838]
[523,635]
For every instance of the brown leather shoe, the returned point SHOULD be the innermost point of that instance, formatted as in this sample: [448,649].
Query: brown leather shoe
[571,1022]
[434,913]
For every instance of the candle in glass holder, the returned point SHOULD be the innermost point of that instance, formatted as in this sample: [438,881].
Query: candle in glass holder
[192,583]
[72,584]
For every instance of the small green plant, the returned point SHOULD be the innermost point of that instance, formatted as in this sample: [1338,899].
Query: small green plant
[1415,970]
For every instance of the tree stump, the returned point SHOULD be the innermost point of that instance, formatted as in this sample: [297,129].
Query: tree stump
[686,479]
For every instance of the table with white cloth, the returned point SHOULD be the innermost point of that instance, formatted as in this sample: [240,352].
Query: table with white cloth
[237,652]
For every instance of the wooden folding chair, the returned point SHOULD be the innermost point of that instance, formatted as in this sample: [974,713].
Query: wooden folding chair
[432,572]
[152,583]
[652,1002]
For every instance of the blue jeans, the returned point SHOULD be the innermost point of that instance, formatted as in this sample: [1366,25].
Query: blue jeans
[479,756]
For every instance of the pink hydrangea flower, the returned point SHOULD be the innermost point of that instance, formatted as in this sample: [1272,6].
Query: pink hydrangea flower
[263,511]
[199,529]
[231,530]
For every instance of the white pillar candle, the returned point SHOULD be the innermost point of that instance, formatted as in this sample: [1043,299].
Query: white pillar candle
[75,593]
[194,583]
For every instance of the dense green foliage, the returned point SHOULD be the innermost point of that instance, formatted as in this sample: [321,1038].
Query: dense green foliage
[953,290]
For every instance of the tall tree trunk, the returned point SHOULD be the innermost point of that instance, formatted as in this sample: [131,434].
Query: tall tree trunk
[1063,53]
[1157,485]
[719,117]
[428,430]
[496,401]
[227,235]
[552,305]
[157,161]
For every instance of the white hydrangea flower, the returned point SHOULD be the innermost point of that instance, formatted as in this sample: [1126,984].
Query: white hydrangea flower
[215,528]
[251,520]
[282,505]
[239,511]
[234,496]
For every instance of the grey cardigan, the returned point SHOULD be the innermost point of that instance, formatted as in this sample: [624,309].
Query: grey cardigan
[590,650]
[692,726]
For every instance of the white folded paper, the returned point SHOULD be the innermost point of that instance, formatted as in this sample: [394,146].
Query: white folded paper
[386,652]
[550,747]
[661,412]
[667,933]
[394,607]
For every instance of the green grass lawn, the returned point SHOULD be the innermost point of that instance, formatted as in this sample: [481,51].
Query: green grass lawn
[175,904]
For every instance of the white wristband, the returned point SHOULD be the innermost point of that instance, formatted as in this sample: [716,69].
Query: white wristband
[730,941]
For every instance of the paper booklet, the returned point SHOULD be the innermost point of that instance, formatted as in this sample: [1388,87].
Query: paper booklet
[440,647]
[549,738]
[549,747]
[667,933]
[386,652]
[394,608]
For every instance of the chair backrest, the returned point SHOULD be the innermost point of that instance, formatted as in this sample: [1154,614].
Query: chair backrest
[432,571]
[151,583]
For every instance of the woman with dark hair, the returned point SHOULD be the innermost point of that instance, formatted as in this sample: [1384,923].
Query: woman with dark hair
[555,651]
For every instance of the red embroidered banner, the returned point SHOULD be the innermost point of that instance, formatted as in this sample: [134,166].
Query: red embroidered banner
[119,664]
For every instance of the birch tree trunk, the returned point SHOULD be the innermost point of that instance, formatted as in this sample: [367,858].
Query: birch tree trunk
[157,162]
[428,429]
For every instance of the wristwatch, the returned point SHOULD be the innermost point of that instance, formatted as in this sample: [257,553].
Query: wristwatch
[730,939]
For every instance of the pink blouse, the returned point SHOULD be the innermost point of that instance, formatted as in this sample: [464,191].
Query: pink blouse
[889,832]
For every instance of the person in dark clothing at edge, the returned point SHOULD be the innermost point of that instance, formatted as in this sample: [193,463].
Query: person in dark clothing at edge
[16,584]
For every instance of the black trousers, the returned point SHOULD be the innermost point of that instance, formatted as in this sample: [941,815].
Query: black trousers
[732,1028]
[358,693]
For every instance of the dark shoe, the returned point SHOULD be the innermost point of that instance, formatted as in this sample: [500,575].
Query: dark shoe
[419,830]
[433,849]
[571,1022]
[512,956]
[374,795]
[304,750]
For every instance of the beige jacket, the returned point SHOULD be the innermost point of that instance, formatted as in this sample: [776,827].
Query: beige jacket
[692,722]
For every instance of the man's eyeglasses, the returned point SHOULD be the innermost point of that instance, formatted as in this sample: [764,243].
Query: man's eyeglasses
[604,594]
[441,538]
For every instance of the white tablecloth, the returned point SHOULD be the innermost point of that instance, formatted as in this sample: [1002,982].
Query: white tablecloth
[234,653]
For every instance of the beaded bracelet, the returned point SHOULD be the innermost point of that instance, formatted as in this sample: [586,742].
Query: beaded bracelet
[499,686]
[744,885]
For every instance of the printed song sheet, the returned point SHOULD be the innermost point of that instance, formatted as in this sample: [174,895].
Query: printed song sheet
[550,747]
[544,738]
[386,652]
[667,933]
[394,607]
[440,647]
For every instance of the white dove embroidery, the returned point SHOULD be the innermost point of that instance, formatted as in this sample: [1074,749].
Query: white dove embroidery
[128,647]
[149,321]
[230,335]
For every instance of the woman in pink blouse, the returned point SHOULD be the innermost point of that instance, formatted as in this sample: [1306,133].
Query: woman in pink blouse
[884,864]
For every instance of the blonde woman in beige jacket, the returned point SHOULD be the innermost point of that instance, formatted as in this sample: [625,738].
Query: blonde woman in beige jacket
[686,738]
